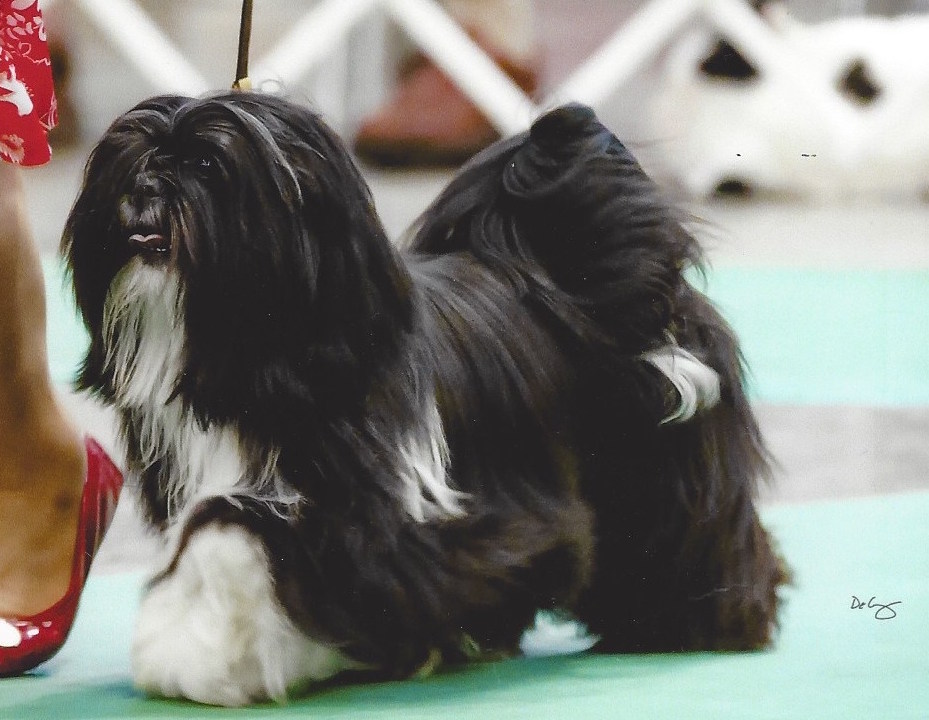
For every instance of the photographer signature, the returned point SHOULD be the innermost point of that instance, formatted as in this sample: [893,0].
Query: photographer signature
[882,611]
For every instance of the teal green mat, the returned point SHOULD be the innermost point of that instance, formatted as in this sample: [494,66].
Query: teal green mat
[811,337]
[830,661]
[837,337]
[67,339]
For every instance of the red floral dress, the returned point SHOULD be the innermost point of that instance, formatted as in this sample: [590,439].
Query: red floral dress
[27,100]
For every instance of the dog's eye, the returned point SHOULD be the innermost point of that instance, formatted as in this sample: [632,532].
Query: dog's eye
[202,164]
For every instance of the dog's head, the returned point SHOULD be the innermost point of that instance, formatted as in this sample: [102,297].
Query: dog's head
[227,249]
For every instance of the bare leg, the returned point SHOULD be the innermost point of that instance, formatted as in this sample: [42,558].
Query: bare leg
[41,453]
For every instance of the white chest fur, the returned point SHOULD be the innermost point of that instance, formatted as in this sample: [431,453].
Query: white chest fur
[144,334]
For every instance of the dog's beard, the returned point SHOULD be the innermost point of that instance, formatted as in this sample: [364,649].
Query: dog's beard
[144,336]
[143,333]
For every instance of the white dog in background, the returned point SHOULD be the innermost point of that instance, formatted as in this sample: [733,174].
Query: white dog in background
[847,115]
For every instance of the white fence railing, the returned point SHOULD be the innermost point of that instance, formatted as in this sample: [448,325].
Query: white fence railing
[326,24]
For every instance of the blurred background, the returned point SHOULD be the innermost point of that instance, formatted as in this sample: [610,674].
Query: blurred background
[796,133]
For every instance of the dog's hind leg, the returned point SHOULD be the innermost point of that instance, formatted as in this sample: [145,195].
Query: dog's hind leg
[211,630]
[683,561]
[685,586]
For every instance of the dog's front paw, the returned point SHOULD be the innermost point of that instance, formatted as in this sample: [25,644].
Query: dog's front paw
[212,631]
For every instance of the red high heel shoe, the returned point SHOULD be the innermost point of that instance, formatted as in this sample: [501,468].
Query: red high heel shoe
[28,641]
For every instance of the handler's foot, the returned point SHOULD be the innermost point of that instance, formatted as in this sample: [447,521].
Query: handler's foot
[41,484]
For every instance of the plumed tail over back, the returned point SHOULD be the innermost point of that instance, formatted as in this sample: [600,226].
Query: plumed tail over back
[567,213]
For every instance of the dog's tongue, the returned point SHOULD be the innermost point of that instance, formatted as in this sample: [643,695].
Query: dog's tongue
[154,242]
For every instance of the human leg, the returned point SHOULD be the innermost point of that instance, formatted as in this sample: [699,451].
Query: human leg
[41,453]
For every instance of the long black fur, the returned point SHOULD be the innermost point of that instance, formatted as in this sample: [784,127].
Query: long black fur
[523,304]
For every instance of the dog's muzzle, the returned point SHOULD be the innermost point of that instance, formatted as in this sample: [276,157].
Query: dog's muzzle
[143,215]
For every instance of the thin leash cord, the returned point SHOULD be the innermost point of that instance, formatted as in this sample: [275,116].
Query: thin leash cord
[242,81]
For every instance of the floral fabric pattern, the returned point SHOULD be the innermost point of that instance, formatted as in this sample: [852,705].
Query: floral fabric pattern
[28,109]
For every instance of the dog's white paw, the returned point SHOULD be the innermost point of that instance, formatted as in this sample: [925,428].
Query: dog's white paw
[212,630]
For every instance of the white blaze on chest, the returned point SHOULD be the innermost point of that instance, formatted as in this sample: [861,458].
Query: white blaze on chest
[144,334]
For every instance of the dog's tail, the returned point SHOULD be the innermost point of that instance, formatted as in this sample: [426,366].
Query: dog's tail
[565,211]
[568,215]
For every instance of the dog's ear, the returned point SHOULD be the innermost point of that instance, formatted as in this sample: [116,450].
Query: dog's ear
[292,289]
[92,241]
[724,61]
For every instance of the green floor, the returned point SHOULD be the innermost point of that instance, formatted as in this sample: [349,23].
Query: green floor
[830,661]
[839,337]
[811,337]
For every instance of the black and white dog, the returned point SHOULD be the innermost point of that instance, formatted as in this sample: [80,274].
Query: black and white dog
[365,458]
